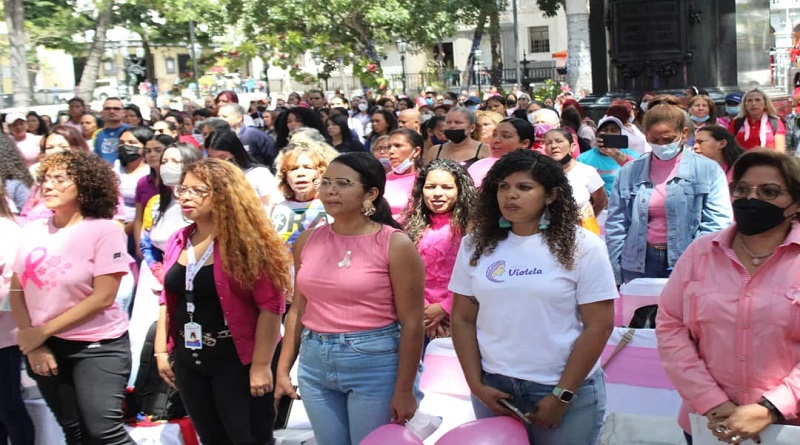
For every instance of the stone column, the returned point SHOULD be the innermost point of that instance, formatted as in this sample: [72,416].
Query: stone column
[579,57]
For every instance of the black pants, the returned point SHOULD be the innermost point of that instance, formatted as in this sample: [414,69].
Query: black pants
[215,388]
[15,423]
[87,394]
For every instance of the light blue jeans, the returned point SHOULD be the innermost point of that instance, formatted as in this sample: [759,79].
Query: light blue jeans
[347,382]
[581,423]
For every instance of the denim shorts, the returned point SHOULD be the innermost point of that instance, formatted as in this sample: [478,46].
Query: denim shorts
[581,423]
[347,382]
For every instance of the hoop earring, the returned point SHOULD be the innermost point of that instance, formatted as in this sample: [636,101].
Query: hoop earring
[368,208]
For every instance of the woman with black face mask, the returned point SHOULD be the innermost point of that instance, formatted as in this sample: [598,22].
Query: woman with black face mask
[728,323]
[462,135]
[131,167]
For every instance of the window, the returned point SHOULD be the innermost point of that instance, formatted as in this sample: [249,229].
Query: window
[540,39]
[170,64]
[109,68]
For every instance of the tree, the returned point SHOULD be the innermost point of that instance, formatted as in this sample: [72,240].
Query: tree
[579,57]
[92,68]
[15,20]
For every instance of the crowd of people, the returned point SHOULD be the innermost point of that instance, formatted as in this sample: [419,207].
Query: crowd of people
[367,228]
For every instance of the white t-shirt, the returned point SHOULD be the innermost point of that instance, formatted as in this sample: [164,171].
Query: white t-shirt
[29,148]
[172,221]
[584,180]
[528,318]
[636,140]
[262,180]
[127,188]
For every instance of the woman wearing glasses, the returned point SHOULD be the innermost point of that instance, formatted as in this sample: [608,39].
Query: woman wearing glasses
[663,200]
[357,309]
[227,275]
[68,269]
[728,324]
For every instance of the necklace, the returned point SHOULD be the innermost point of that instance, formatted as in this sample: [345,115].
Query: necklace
[755,259]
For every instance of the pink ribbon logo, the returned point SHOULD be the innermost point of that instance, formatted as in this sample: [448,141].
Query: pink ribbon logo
[31,265]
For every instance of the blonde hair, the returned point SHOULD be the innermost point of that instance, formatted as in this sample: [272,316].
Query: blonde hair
[712,107]
[319,154]
[670,114]
[249,246]
[380,138]
[769,106]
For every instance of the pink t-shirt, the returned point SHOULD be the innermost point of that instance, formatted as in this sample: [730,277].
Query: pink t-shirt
[479,169]
[354,297]
[29,148]
[660,173]
[9,242]
[56,268]
[438,248]
[398,191]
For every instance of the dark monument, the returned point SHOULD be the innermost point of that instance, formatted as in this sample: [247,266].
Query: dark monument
[642,45]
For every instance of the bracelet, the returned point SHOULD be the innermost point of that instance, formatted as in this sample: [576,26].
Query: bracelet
[772,409]
[16,290]
[156,354]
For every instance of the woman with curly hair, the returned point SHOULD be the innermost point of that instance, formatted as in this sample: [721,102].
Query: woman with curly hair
[436,219]
[528,271]
[359,280]
[67,272]
[14,173]
[227,275]
[297,207]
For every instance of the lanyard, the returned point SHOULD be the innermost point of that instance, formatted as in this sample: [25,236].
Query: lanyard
[192,267]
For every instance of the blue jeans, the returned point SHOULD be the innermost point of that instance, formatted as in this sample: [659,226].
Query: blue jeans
[581,423]
[655,266]
[347,382]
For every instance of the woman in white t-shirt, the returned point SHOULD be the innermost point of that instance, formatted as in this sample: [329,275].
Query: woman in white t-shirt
[533,304]
[226,145]
[587,185]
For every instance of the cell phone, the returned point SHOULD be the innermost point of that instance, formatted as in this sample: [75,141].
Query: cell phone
[284,410]
[520,415]
[615,140]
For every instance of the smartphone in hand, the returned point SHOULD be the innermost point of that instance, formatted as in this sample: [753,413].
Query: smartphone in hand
[519,414]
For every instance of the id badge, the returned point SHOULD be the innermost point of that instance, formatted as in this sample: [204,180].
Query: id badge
[193,336]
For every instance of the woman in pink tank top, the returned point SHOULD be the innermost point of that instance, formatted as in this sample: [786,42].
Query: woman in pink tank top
[356,318]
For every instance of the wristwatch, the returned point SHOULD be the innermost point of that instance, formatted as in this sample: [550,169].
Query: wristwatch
[772,409]
[564,395]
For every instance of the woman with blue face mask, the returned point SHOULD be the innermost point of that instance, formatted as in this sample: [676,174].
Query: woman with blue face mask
[663,200]
[405,158]
[702,111]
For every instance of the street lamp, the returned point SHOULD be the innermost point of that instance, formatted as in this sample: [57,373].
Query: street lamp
[193,49]
[318,64]
[476,67]
[402,48]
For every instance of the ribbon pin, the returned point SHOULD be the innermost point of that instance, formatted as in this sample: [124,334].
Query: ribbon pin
[30,267]
[346,260]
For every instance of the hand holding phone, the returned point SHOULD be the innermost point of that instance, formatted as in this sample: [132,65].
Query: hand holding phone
[519,414]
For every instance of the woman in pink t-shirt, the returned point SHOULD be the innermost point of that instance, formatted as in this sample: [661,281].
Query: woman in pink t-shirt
[15,423]
[509,135]
[357,309]
[405,157]
[68,269]
[436,220]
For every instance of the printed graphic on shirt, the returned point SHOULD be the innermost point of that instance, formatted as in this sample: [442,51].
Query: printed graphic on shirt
[499,269]
[291,222]
[42,272]
[109,145]
[495,270]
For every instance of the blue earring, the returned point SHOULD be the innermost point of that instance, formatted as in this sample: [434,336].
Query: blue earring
[544,221]
[504,223]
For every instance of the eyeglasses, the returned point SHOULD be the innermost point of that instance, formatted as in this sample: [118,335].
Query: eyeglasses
[159,130]
[190,192]
[112,108]
[59,182]
[767,192]
[380,149]
[338,183]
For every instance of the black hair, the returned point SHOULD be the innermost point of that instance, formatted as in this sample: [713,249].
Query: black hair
[732,149]
[189,155]
[407,100]
[136,111]
[563,132]
[524,129]
[142,134]
[519,113]
[202,112]
[307,116]
[499,99]
[371,174]
[416,140]
[390,118]
[431,124]
[165,139]
[571,118]
[171,125]
[340,121]
[41,129]
[227,140]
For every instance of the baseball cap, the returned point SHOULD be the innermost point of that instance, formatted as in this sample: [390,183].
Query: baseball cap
[472,100]
[734,97]
[14,116]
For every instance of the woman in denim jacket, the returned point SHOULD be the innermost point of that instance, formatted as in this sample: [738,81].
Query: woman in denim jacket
[664,200]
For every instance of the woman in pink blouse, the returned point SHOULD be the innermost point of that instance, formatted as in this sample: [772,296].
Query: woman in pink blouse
[728,325]
[436,220]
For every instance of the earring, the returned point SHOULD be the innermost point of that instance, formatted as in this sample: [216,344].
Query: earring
[503,223]
[368,208]
[544,221]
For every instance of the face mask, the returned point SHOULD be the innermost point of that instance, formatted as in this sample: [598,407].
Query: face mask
[385,163]
[565,160]
[511,104]
[128,153]
[732,110]
[429,100]
[540,129]
[667,152]
[437,141]
[425,117]
[455,136]
[404,166]
[754,216]
[261,108]
[643,106]
[447,102]
[170,174]
[472,107]
[531,117]
[631,119]
[700,119]
[362,107]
